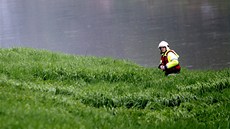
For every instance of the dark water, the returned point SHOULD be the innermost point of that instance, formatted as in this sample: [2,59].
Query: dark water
[199,30]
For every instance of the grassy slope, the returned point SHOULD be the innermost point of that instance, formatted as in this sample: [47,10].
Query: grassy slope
[41,89]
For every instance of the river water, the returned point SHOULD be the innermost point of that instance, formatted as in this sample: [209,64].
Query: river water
[198,30]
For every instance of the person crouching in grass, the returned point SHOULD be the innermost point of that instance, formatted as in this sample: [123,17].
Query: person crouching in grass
[169,59]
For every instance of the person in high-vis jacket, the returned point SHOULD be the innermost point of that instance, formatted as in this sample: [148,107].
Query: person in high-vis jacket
[169,59]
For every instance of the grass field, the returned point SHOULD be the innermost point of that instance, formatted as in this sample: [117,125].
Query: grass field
[45,90]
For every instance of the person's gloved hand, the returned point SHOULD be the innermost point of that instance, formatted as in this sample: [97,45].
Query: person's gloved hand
[162,67]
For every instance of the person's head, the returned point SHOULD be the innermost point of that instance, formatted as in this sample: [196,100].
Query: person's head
[163,46]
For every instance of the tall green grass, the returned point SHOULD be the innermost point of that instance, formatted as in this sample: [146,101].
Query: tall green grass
[42,89]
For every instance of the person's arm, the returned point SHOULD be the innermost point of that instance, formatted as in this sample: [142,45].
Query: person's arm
[159,66]
[172,60]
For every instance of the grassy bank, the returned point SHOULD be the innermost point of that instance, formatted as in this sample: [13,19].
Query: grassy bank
[40,89]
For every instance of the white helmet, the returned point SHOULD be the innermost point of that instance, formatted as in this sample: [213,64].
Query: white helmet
[163,44]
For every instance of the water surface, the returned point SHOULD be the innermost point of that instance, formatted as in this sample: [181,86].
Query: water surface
[126,29]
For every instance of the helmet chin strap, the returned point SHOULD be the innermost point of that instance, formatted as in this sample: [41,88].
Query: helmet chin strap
[167,48]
